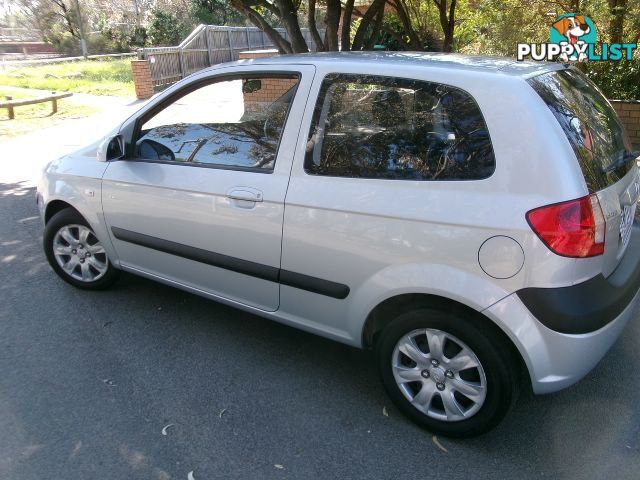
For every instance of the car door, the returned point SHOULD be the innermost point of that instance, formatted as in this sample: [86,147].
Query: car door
[198,200]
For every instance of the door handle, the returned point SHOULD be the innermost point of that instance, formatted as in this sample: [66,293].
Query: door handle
[245,194]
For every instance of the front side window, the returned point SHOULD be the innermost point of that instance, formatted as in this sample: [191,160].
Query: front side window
[232,123]
[393,128]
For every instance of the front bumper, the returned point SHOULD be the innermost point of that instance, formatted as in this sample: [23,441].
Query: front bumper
[562,333]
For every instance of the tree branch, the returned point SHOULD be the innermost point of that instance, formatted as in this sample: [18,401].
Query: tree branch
[258,20]
[367,18]
[311,20]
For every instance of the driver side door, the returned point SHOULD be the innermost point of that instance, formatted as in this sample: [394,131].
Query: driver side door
[198,201]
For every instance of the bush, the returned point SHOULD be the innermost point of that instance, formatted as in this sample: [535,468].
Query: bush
[165,29]
[121,37]
[617,80]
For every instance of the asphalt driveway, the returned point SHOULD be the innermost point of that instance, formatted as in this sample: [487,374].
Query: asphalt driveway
[146,381]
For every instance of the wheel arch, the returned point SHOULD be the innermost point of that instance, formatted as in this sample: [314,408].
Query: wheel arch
[55,206]
[385,312]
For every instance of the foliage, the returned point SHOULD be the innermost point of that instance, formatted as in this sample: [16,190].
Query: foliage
[165,29]
[215,12]
[109,77]
[617,80]
[120,37]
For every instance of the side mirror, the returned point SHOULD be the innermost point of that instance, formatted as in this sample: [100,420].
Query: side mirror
[250,86]
[110,148]
[153,150]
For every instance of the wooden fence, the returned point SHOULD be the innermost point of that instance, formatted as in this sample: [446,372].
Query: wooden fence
[207,45]
[10,103]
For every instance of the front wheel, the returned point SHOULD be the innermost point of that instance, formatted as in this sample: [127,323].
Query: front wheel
[75,253]
[449,374]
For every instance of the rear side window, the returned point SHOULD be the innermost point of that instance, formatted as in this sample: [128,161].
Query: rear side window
[394,128]
[590,124]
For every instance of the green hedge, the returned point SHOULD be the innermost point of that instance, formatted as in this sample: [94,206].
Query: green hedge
[618,80]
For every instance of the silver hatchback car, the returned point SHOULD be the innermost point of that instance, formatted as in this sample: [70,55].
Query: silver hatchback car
[470,219]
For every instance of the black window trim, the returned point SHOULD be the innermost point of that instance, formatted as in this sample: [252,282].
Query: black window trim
[192,87]
[321,96]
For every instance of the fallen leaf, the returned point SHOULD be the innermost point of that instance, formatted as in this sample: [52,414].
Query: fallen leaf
[222,412]
[438,444]
[109,382]
[164,429]
[190,476]
[279,467]
[384,411]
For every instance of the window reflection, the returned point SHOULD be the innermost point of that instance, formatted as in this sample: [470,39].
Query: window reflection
[384,127]
[590,123]
[225,123]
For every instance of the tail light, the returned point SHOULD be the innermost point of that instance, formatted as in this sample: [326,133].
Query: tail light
[571,229]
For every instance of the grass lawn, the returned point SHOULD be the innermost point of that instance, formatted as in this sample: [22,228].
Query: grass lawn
[99,77]
[33,117]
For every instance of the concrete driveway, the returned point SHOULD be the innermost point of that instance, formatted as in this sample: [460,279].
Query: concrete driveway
[145,381]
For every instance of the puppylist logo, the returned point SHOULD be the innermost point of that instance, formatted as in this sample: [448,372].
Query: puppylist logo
[573,37]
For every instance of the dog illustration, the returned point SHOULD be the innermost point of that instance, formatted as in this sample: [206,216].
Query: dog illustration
[573,28]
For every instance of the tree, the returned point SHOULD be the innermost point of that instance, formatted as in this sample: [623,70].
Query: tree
[165,29]
[286,13]
[447,15]
[618,11]
[215,12]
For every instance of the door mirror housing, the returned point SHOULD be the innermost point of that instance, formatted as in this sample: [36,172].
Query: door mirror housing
[110,148]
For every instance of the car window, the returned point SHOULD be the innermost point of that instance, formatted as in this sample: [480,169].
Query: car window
[232,123]
[394,128]
[590,124]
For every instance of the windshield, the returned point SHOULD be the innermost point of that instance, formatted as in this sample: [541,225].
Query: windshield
[590,123]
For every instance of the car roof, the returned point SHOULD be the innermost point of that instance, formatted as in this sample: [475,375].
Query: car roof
[487,64]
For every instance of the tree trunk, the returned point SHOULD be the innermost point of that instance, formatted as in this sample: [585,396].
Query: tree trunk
[345,38]
[367,18]
[370,43]
[447,22]
[618,10]
[289,18]
[311,20]
[403,15]
[332,22]
[258,20]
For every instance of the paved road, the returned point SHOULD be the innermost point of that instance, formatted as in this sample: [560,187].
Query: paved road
[89,380]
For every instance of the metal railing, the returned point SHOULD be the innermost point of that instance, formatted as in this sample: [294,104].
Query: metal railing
[207,45]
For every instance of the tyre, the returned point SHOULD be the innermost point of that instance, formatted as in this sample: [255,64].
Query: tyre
[75,253]
[453,375]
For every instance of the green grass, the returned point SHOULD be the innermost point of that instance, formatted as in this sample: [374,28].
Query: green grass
[30,118]
[99,77]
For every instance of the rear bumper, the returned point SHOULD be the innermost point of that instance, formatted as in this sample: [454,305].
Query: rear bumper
[588,306]
[556,360]
[562,333]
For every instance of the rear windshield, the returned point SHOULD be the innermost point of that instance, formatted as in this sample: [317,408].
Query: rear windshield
[590,123]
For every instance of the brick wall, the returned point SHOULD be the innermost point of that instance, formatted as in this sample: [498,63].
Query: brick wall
[629,113]
[272,89]
[141,72]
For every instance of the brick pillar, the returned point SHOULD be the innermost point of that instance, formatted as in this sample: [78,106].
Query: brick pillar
[141,70]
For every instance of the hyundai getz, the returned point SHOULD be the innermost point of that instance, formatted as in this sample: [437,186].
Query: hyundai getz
[469,219]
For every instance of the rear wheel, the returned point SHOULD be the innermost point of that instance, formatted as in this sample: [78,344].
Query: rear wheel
[446,372]
[75,253]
